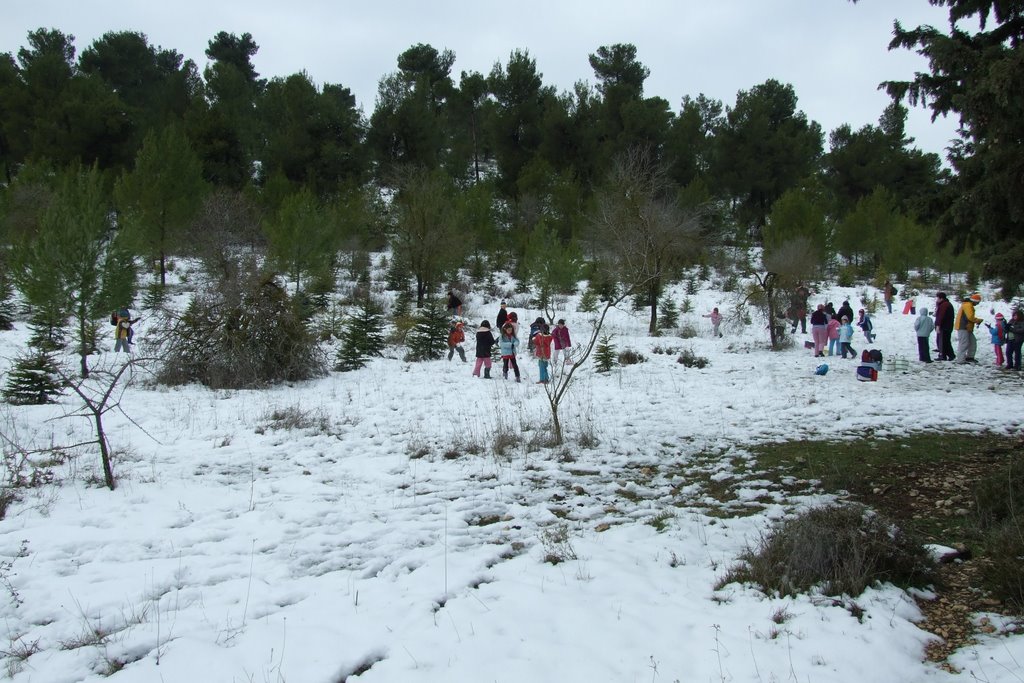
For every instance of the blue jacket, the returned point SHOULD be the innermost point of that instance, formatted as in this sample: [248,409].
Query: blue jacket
[996,332]
[508,345]
[845,332]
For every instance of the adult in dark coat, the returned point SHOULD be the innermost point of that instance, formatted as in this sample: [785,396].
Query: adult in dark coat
[845,311]
[944,316]
[502,316]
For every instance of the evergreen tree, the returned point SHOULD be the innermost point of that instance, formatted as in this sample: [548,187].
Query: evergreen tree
[6,305]
[588,301]
[669,313]
[34,379]
[605,354]
[429,336]
[362,337]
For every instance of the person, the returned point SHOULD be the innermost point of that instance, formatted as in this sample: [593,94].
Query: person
[484,341]
[1014,339]
[833,337]
[542,351]
[456,335]
[716,321]
[123,332]
[513,320]
[502,315]
[944,327]
[562,341]
[846,337]
[864,323]
[830,310]
[534,329]
[888,294]
[997,334]
[923,326]
[508,346]
[819,330]
[454,304]
[800,296]
[966,343]
[845,311]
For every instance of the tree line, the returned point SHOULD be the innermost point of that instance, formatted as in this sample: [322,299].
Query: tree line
[496,169]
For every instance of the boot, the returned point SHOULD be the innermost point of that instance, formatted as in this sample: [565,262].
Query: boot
[487,373]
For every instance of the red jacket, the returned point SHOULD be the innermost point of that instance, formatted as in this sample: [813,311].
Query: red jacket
[542,346]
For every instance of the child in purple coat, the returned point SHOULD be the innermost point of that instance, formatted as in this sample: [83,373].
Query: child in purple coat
[560,340]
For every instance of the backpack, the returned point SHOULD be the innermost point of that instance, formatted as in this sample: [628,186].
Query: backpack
[866,373]
[875,356]
[113,318]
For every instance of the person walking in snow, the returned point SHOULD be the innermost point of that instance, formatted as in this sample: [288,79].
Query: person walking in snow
[846,337]
[845,311]
[716,320]
[542,351]
[888,294]
[864,323]
[484,341]
[502,314]
[508,346]
[123,331]
[534,329]
[456,335]
[923,327]
[560,339]
[454,304]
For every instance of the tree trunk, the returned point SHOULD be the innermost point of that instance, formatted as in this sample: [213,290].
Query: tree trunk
[108,472]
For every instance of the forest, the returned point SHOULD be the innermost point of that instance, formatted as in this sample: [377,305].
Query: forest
[123,156]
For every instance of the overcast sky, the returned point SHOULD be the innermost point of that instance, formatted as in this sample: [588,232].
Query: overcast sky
[833,52]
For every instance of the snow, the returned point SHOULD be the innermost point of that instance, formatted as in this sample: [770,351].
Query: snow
[388,542]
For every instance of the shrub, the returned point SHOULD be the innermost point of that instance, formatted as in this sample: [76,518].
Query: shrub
[604,354]
[33,380]
[362,337]
[630,357]
[248,333]
[687,331]
[997,515]
[837,549]
[691,360]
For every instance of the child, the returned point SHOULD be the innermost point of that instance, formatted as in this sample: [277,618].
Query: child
[998,335]
[845,337]
[864,323]
[923,326]
[122,318]
[560,336]
[456,335]
[484,341]
[513,320]
[542,350]
[833,337]
[508,344]
[716,320]
[534,329]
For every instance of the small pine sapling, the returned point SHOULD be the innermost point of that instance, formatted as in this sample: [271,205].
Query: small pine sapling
[428,337]
[605,355]
[361,338]
[33,380]
[669,317]
[588,301]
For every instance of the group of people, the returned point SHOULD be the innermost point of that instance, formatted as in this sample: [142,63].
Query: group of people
[544,342]
[964,321]
[834,328]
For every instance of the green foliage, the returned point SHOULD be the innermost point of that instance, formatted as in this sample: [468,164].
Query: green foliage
[689,359]
[362,336]
[691,286]
[246,334]
[549,265]
[302,240]
[34,379]
[588,301]
[428,339]
[605,356]
[159,197]
[797,214]
[6,296]
[669,313]
[838,549]
[687,306]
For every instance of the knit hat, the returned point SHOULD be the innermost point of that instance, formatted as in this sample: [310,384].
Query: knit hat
[999,316]
[976,298]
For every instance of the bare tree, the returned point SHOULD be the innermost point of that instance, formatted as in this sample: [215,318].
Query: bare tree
[640,231]
[782,269]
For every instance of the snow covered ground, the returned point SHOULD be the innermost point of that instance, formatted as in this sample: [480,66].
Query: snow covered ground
[362,527]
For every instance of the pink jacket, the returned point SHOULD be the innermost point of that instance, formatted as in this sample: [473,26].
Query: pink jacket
[833,329]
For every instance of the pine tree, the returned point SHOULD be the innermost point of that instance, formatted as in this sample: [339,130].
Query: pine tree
[669,317]
[588,301]
[362,337]
[33,380]
[605,354]
[6,305]
[429,336]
